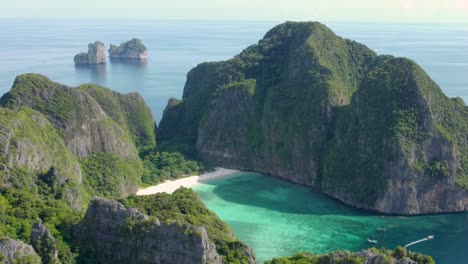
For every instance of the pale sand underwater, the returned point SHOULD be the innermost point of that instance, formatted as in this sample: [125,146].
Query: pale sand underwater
[172,185]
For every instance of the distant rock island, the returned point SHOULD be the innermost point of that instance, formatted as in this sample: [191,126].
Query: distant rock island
[96,54]
[132,49]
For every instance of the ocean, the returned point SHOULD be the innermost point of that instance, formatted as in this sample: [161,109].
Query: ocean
[275,217]
[175,47]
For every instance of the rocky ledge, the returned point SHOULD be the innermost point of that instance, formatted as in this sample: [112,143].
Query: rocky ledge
[15,251]
[370,256]
[96,54]
[132,49]
[125,235]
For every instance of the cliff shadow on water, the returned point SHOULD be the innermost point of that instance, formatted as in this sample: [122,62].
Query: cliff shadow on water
[257,190]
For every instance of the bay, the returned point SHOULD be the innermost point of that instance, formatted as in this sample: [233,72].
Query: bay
[279,218]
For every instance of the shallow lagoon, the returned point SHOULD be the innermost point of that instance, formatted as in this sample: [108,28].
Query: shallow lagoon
[278,218]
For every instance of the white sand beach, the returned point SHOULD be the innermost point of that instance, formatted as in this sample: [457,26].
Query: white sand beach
[171,186]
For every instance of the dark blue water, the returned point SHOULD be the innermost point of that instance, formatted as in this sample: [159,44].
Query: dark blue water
[48,47]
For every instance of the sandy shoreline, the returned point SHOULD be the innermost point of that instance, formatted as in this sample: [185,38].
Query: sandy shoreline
[171,186]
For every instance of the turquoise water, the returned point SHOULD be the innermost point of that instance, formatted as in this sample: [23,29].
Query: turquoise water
[278,218]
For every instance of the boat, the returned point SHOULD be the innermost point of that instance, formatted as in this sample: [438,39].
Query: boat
[372,241]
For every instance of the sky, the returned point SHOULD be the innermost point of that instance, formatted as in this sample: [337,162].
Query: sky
[444,11]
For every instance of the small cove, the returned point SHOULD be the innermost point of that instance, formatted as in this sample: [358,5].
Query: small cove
[278,218]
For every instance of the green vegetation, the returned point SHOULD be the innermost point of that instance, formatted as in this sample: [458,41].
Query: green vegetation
[184,206]
[109,176]
[327,110]
[380,255]
[59,108]
[41,177]
[133,45]
[35,149]
[20,208]
[161,166]
[128,110]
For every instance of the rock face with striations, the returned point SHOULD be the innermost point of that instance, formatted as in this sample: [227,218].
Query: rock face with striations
[32,150]
[132,49]
[96,54]
[308,106]
[44,243]
[112,233]
[95,124]
[14,251]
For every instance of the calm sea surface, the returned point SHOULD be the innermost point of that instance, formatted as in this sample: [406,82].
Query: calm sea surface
[274,217]
[48,47]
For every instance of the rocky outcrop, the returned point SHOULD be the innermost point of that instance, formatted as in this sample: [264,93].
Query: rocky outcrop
[14,251]
[92,121]
[403,141]
[370,256]
[308,106]
[32,151]
[132,49]
[112,233]
[84,125]
[44,243]
[96,54]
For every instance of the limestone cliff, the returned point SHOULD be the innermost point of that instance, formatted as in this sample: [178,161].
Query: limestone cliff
[308,106]
[96,54]
[44,243]
[32,151]
[14,251]
[102,128]
[401,146]
[132,49]
[112,233]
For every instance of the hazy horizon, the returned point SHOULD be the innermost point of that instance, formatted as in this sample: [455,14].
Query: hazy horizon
[405,11]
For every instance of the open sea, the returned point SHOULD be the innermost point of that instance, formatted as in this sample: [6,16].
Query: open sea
[275,217]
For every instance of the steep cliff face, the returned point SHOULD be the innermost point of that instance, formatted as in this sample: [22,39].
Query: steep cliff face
[400,146]
[32,151]
[96,54]
[308,106]
[14,251]
[128,110]
[112,233]
[95,123]
[84,125]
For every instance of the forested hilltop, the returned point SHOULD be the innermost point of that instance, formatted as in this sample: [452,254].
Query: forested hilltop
[60,147]
[311,107]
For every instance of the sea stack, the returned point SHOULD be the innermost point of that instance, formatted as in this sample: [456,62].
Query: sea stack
[132,49]
[96,54]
